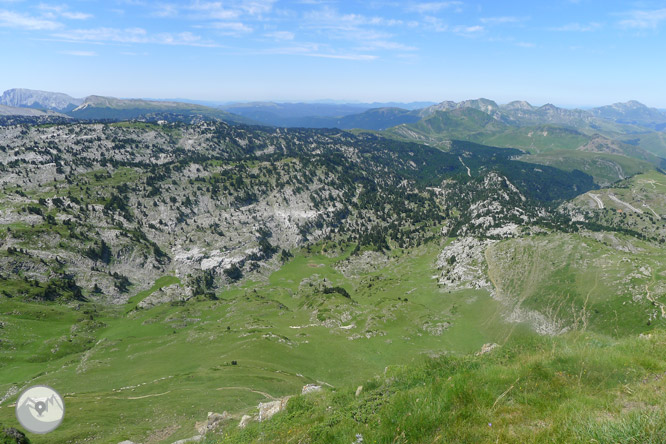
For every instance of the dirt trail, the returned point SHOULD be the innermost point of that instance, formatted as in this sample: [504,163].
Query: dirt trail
[653,212]
[469,172]
[629,206]
[595,197]
[264,394]
[149,396]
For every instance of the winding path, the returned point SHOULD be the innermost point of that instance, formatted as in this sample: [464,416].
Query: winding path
[595,197]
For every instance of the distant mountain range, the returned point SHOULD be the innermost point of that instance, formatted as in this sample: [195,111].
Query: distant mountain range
[628,128]
[41,103]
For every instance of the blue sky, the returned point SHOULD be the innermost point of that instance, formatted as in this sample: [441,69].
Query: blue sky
[567,52]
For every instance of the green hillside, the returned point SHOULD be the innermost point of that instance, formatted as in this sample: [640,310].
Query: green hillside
[578,389]
[155,273]
[605,168]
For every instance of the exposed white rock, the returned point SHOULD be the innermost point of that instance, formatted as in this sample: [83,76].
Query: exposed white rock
[310,388]
[268,409]
[213,421]
[245,420]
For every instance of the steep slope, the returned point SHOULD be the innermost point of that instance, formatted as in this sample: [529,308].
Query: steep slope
[26,112]
[472,124]
[576,389]
[45,100]
[605,168]
[633,113]
[232,265]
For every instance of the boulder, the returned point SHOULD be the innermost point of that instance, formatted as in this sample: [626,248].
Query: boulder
[245,420]
[310,388]
[268,409]
[359,390]
[487,348]
[212,422]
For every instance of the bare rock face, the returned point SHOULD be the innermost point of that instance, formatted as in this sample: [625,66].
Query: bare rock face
[310,388]
[268,409]
[212,422]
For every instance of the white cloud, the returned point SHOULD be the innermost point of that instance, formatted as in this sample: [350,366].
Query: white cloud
[367,33]
[644,19]
[502,20]
[468,31]
[578,27]
[313,50]
[231,28]
[11,19]
[53,11]
[330,18]
[79,53]
[281,35]
[433,7]
[215,10]
[132,35]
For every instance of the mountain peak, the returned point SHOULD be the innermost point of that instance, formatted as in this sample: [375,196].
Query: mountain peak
[32,98]
[518,105]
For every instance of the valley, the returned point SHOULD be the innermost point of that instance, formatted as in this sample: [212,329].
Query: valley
[155,272]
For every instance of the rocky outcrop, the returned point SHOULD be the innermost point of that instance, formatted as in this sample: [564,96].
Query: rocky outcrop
[487,348]
[268,409]
[213,421]
[310,388]
[165,295]
[245,420]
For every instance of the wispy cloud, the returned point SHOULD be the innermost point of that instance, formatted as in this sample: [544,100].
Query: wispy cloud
[502,20]
[215,10]
[231,28]
[281,35]
[468,31]
[578,27]
[643,19]
[12,19]
[433,7]
[366,33]
[133,35]
[314,50]
[79,53]
[55,11]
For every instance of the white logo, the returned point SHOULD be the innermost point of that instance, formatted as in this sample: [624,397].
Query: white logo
[40,409]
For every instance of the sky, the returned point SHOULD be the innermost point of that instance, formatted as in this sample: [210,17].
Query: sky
[565,52]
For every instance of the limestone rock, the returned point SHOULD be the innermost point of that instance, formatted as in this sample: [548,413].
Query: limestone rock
[268,409]
[487,348]
[310,388]
[359,390]
[212,422]
[245,420]
[195,438]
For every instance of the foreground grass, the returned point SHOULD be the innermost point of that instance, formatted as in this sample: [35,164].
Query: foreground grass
[572,389]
